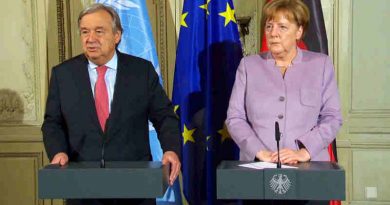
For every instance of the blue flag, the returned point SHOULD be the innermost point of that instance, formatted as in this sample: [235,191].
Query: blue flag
[137,40]
[207,58]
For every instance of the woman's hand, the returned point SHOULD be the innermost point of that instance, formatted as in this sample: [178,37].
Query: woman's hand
[289,156]
[264,156]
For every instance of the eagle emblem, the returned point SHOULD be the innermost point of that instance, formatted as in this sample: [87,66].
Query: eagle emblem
[280,183]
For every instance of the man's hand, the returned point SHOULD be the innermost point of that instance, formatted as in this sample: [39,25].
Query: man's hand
[60,158]
[264,156]
[171,158]
[289,156]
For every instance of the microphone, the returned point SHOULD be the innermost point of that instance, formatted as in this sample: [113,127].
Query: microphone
[277,138]
[105,139]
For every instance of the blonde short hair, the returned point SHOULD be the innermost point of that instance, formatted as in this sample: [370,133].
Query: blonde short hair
[294,10]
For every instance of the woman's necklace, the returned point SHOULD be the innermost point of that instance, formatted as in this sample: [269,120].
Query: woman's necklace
[283,68]
[283,65]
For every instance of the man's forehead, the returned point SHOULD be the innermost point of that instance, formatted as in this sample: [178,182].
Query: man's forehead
[97,16]
[92,27]
[95,23]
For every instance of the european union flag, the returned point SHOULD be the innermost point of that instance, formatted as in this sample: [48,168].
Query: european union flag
[207,57]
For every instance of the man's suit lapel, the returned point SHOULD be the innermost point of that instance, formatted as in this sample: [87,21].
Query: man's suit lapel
[121,93]
[86,94]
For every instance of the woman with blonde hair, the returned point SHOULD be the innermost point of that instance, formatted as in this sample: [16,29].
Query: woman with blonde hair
[293,87]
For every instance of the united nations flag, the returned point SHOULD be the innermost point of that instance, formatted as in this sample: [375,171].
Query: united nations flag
[137,40]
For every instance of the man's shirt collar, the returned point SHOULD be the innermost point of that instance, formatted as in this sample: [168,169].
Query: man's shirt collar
[112,64]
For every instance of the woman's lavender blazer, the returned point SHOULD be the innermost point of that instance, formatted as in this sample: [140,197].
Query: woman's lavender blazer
[305,103]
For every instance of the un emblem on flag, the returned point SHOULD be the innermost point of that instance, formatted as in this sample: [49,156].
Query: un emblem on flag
[280,184]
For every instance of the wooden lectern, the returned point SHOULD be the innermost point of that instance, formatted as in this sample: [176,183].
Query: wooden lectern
[85,180]
[310,181]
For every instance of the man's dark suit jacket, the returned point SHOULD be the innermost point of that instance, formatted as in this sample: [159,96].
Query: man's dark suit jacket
[71,124]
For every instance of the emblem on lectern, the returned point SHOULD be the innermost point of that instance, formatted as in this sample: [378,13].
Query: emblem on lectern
[280,183]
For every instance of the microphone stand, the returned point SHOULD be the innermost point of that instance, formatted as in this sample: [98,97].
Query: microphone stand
[105,137]
[277,138]
[102,161]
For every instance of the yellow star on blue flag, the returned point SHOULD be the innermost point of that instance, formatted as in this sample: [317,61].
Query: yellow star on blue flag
[224,133]
[228,14]
[183,19]
[175,108]
[187,135]
[206,6]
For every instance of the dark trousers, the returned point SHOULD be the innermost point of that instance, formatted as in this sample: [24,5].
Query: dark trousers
[283,202]
[111,202]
